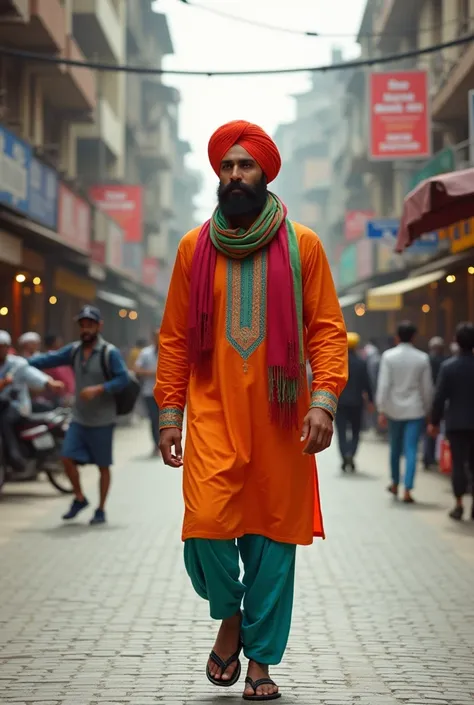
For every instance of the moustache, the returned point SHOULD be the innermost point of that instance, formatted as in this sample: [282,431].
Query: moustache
[245,190]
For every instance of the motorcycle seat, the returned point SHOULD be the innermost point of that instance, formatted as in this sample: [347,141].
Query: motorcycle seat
[40,417]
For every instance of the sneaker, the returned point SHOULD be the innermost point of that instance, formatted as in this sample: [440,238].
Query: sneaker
[456,513]
[98,518]
[77,506]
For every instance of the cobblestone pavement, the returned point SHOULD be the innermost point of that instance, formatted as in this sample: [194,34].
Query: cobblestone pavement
[384,610]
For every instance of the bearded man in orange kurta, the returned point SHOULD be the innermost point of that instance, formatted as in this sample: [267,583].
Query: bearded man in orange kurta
[251,299]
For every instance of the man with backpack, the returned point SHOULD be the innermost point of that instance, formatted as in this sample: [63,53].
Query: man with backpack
[104,388]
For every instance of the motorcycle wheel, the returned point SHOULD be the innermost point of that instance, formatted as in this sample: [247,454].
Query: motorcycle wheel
[59,480]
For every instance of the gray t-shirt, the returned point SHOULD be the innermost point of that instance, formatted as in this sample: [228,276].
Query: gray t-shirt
[148,361]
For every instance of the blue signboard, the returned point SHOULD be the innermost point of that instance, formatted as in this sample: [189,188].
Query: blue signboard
[386,229]
[15,158]
[43,194]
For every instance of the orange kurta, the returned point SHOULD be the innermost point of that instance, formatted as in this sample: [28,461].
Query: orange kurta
[242,473]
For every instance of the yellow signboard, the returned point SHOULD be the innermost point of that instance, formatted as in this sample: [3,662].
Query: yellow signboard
[384,302]
[460,235]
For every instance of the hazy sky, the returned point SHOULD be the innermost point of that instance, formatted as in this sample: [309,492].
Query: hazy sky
[205,41]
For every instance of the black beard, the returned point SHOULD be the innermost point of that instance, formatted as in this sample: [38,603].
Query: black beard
[88,337]
[250,201]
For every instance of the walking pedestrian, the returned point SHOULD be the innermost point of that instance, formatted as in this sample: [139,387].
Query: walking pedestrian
[437,357]
[100,373]
[145,369]
[351,404]
[251,299]
[404,397]
[454,401]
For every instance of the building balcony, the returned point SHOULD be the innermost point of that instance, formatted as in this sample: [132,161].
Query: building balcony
[107,128]
[98,30]
[134,104]
[135,27]
[14,11]
[41,28]
[71,88]
[155,151]
[394,16]
[453,81]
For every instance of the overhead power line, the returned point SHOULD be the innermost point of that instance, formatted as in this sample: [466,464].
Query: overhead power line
[306,33]
[125,68]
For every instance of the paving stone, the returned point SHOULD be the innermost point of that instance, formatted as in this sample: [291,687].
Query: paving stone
[383,608]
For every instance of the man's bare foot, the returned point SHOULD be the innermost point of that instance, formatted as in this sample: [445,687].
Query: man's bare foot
[256,671]
[227,643]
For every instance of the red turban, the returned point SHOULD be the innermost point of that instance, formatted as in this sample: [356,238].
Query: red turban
[253,139]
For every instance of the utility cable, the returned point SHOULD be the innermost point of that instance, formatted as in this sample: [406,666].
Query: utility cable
[303,33]
[125,68]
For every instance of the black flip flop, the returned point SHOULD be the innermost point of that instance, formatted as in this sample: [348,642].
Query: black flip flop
[224,665]
[255,684]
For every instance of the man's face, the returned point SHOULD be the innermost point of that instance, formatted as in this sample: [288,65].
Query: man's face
[31,348]
[89,330]
[3,352]
[243,187]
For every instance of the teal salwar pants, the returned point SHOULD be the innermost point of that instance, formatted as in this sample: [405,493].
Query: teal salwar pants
[265,591]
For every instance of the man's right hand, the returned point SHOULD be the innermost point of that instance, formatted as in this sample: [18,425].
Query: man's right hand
[171,438]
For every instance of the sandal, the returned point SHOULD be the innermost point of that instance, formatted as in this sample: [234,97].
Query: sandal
[255,684]
[224,665]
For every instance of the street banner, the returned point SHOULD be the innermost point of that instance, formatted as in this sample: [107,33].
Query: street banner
[43,194]
[399,115]
[125,205]
[386,229]
[74,219]
[15,159]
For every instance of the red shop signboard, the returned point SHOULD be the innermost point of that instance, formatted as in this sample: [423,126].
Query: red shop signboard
[125,205]
[399,115]
[74,220]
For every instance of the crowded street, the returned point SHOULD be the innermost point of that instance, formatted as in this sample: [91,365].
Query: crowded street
[106,615]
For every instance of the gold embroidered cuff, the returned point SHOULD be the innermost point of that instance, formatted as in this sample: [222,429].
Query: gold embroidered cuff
[324,400]
[171,417]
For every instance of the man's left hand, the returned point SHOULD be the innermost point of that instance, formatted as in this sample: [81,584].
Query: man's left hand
[432,430]
[317,431]
[89,393]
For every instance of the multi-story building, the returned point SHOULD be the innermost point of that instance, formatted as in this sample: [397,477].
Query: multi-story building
[99,29]
[306,178]
[377,187]
[69,136]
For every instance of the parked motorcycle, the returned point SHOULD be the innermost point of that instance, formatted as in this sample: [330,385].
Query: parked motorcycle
[40,437]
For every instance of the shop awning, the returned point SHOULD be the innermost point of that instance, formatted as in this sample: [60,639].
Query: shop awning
[350,300]
[116,299]
[404,285]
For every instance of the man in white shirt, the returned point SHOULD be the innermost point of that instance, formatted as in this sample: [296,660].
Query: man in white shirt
[404,397]
[145,369]
[17,378]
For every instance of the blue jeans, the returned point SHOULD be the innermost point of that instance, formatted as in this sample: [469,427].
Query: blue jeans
[404,438]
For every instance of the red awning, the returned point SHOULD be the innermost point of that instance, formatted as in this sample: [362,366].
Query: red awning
[436,203]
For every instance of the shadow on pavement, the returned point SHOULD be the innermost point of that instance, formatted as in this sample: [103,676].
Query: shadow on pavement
[418,506]
[26,497]
[359,475]
[66,531]
[461,527]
